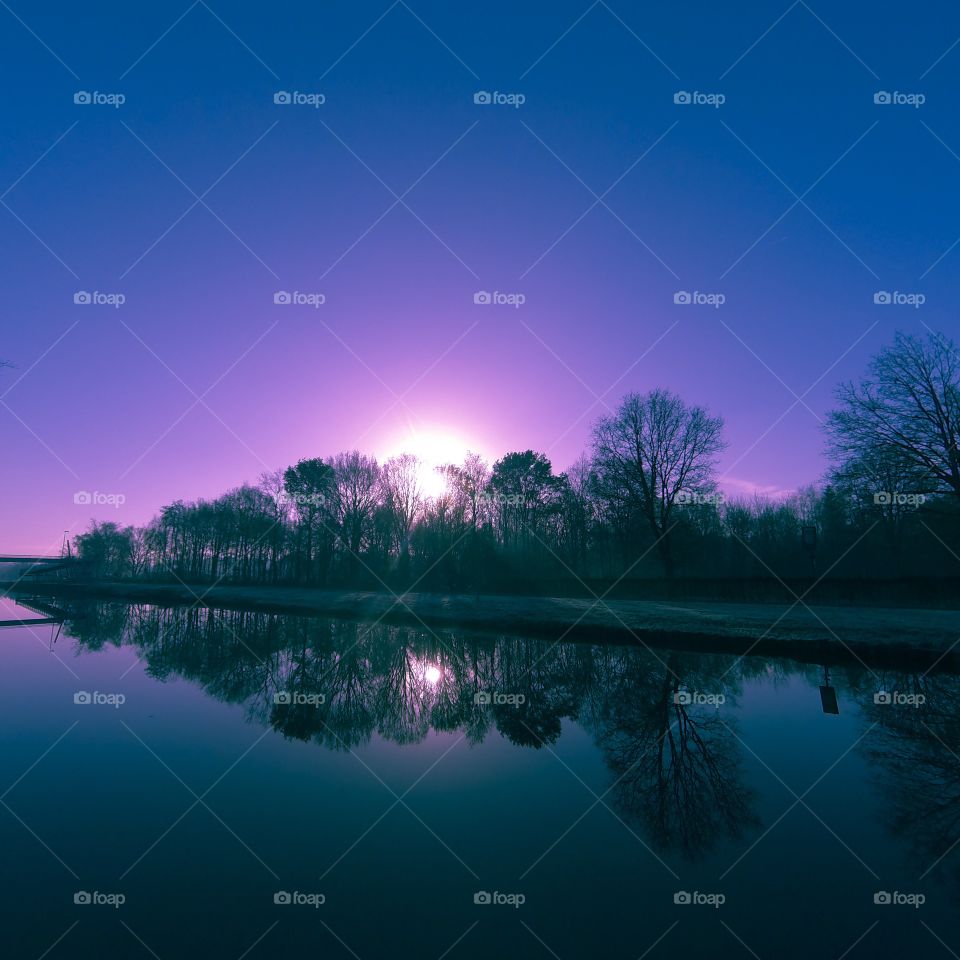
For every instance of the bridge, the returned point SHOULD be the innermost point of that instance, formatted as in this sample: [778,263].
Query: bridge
[14,558]
[38,566]
[48,614]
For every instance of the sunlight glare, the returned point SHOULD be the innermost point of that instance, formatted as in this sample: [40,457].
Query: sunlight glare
[433,448]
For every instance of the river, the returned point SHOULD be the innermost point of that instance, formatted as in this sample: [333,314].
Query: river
[181,782]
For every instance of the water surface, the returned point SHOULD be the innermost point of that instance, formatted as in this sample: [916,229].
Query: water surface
[201,763]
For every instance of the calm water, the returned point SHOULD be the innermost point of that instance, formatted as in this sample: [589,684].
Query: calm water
[388,786]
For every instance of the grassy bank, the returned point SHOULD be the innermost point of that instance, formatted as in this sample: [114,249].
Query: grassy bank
[877,637]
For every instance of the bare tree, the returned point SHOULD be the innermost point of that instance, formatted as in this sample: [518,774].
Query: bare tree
[906,410]
[404,497]
[273,484]
[652,449]
[466,484]
[356,480]
[578,510]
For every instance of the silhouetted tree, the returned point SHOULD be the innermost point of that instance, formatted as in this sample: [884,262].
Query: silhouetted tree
[310,488]
[356,482]
[403,501]
[524,499]
[904,414]
[652,449]
[108,549]
[642,490]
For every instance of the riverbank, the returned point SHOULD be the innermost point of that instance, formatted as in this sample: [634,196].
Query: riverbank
[829,635]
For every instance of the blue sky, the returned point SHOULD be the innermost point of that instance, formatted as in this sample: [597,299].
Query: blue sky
[598,200]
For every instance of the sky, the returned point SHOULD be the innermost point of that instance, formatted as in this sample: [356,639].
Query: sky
[382,201]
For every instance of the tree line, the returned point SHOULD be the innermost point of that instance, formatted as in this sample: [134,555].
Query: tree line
[643,502]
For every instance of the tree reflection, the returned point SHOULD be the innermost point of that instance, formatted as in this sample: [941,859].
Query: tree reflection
[675,766]
[916,753]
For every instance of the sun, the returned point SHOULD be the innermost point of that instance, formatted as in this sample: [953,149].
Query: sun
[433,447]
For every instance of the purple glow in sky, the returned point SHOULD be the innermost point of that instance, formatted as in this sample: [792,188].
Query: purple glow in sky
[731,251]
